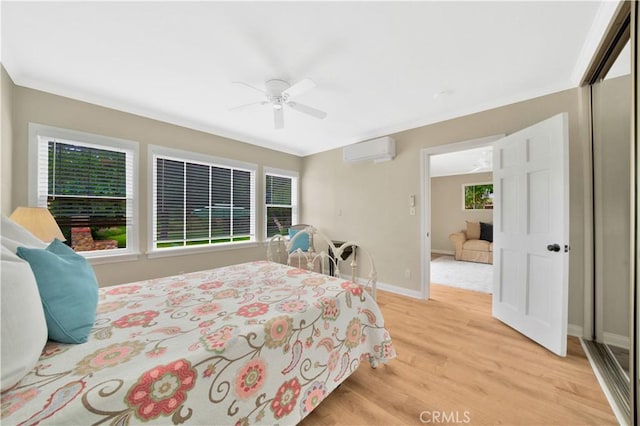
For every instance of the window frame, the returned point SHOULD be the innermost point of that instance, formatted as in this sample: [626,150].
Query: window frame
[464,190]
[155,151]
[295,196]
[131,148]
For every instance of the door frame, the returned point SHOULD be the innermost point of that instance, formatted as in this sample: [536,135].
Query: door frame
[425,191]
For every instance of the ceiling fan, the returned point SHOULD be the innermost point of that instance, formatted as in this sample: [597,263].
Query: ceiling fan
[482,164]
[279,93]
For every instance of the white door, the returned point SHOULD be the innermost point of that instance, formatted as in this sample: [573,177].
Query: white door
[531,232]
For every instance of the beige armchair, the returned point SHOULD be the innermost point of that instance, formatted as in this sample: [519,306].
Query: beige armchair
[471,250]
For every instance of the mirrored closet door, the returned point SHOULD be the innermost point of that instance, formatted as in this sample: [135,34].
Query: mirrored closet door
[612,214]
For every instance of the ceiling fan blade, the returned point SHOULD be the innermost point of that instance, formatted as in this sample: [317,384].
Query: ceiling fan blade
[299,88]
[278,118]
[307,110]
[242,83]
[235,108]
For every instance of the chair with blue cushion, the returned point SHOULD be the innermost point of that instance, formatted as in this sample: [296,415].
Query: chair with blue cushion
[304,241]
[300,252]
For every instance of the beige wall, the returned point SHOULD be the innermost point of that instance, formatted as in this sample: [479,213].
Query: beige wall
[447,214]
[364,202]
[6,138]
[369,202]
[612,173]
[44,108]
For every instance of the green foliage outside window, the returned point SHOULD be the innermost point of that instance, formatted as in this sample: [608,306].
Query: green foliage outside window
[279,204]
[478,197]
[87,187]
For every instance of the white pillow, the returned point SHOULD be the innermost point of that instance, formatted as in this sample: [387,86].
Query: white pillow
[12,231]
[23,327]
[13,244]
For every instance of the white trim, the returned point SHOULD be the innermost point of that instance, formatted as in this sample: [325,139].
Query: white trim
[447,252]
[113,258]
[196,157]
[612,402]
[132,151]
[425,226]
[280,172]
[36,130]
[188,250]
[464,145]
[415,294]
[295,197]
[617,340]
[574,330]
[598,29]
[425,190]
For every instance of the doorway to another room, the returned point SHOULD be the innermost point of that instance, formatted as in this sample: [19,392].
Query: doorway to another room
[530,250]
[462,219]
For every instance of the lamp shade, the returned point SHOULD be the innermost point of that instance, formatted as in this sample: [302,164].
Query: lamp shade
[38,221]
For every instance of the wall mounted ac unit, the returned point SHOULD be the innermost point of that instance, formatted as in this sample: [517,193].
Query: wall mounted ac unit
[381,149]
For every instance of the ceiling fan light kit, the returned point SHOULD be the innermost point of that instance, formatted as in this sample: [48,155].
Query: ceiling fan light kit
[279,93]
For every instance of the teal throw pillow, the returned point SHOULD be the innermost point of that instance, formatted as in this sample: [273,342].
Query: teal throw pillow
[68,290]
[302,242]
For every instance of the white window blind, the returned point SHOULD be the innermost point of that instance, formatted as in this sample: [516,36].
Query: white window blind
[201,203]
[87,184]
[281,201]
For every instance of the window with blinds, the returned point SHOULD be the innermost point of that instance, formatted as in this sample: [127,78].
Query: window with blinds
[281,201]
[201,203]
[88,187]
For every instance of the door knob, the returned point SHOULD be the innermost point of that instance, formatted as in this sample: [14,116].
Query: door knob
[553,247]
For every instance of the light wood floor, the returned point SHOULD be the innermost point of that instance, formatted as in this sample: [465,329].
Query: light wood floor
[453,357]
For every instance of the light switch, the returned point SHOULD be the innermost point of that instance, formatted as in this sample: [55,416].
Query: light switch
[412,211]
[412,201]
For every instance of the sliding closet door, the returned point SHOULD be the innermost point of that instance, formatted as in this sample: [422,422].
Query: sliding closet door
[612,186]
[612,81]
[612,192]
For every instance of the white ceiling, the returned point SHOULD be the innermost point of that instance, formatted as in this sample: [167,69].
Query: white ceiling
[377,65]
[476,160]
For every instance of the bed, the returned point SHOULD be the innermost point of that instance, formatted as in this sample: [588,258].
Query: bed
[254,343]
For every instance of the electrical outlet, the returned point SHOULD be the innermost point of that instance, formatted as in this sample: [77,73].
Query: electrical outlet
[412,211]
[407,273]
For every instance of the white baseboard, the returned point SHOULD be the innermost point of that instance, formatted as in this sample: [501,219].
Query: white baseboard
[575,330]
[607,338]
[415,294]
[449,252]
[615,340]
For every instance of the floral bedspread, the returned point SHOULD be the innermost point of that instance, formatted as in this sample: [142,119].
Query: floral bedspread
[252,343]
